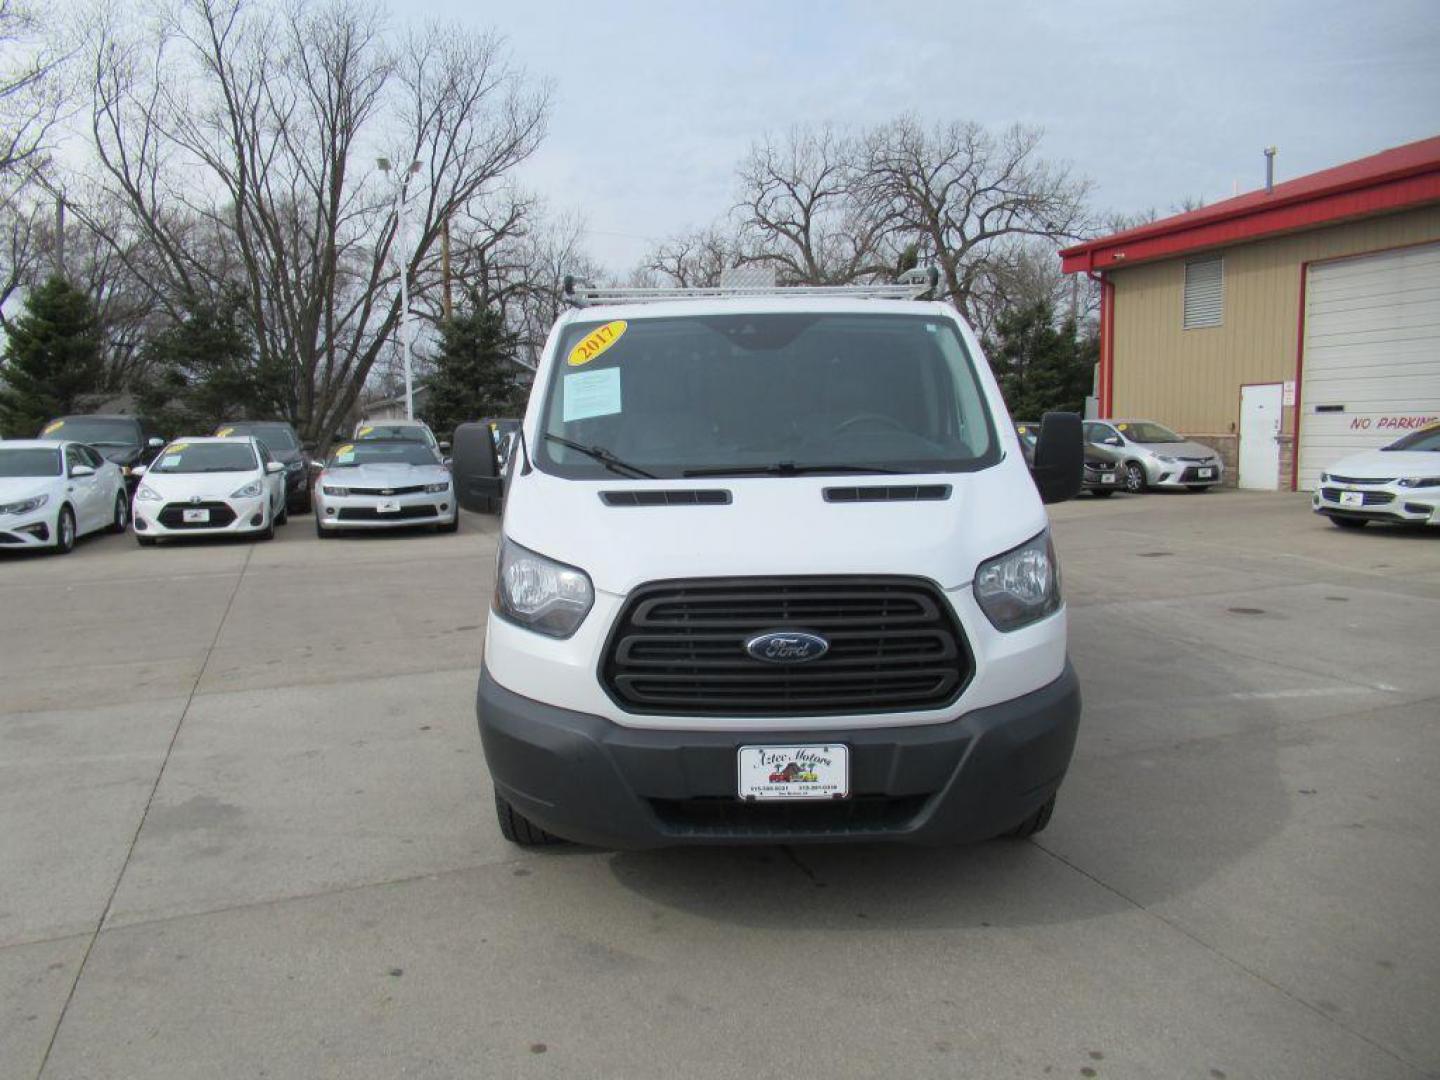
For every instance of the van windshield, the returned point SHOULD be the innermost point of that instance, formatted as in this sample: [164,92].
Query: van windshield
[759,393]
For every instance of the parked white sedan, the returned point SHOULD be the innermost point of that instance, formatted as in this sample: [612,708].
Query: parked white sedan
[210,487]
[53,492]
[1398,483]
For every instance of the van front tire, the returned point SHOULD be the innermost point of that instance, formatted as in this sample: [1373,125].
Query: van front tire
[1035,823]
[519,829]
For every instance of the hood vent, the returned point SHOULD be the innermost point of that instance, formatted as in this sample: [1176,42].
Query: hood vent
[712,497]
[889,493]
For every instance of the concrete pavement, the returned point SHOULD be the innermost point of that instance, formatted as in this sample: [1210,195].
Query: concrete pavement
[245,830]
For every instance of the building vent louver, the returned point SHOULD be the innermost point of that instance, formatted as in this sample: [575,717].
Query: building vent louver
[1204,293]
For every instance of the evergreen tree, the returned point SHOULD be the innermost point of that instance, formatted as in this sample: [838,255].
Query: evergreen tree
[204,369]
[1042,367]
[475,374]
[52,358]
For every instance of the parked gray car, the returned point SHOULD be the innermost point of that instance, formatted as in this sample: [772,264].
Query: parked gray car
[1153,456]
[383,484]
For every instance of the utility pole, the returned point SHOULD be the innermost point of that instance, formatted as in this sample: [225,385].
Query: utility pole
[402,237]
[445,267]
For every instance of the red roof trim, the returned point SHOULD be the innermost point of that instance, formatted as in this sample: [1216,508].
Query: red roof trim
[1394,180]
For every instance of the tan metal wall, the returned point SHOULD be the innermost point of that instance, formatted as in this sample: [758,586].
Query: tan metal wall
[1190,379]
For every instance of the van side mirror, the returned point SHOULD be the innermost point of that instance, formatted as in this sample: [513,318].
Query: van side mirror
[1059,466]
[154,442]
[478,486]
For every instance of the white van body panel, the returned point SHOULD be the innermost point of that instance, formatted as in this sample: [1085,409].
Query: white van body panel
[774,525]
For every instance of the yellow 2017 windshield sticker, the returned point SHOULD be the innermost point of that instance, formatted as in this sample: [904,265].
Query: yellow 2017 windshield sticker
[50,429]
[596,342]
[1122,427]
[224,431]
[364,431]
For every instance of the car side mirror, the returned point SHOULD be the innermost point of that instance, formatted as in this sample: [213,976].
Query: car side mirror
[272,467]
[1059,465]
[81,470]
[478,485]
[154,442]
[1114,440]
[317,464]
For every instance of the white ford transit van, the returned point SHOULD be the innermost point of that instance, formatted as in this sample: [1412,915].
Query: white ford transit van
[773,570]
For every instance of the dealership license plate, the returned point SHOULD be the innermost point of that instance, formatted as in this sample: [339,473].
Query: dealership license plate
[195,517]
[1107,478]
[388,508]
[1352,498]
[794,772]
[1205,474]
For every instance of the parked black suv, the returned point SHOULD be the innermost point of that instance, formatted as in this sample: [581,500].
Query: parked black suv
[285,447]
[126,440]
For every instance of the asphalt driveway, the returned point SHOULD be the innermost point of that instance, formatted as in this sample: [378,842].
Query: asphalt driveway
[245,830]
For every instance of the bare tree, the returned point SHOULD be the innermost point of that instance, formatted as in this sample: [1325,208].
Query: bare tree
[694,260]
[961,194]
[31,93]
[242,121]
[805,210]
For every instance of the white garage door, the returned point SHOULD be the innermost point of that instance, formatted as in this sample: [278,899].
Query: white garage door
[1372,354]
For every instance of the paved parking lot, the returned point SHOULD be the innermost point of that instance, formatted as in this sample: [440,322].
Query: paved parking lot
[245,830]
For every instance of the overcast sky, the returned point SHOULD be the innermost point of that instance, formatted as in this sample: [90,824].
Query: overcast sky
[1154,101]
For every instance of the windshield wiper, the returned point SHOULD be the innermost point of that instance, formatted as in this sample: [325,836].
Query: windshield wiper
[787,468]
[600,454]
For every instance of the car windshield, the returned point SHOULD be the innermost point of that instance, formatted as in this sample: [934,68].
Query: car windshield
[1424,439]
[408,432]
[274,436]
[29,461]
[764,393]
[205,457]
[390,452]
[96,432]
[1146,432]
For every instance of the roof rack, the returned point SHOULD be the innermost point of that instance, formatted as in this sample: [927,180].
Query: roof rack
[917,284]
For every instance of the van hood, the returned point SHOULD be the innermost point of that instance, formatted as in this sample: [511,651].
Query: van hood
[1387,464]
[774,526]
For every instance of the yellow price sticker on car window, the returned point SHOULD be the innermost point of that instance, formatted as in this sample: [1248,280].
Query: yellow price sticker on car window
[50,429]
[1022,429]
[348,448]
[364,431]
[596,342]
[224,431]
[1122,427]
[175,448]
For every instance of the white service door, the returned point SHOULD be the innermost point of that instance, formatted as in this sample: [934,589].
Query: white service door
[1372,354]
[1260,413]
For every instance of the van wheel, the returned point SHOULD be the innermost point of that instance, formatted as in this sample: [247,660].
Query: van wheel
[1036,822]
[1350,523]
[519,829]
[1135,481]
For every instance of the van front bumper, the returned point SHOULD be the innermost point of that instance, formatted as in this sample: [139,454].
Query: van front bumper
[587,779]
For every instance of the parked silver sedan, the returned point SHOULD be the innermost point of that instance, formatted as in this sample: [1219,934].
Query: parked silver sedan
[1153,456]
[384,484]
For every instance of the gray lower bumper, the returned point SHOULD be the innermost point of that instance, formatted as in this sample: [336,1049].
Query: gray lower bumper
[587,779]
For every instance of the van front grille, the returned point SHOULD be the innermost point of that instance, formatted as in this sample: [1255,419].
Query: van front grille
[678,647]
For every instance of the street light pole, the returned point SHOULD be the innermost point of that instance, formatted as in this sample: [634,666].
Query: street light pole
[402,239]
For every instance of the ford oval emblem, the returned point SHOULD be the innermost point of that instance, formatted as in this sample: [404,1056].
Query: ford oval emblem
[787,647]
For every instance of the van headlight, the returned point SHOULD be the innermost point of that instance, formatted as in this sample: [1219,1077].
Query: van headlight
[1022,585]
[541,594]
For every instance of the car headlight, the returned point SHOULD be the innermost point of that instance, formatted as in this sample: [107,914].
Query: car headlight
[1420,481]
[1166,458]
[435,489]
[1324,478]
[328,490]
[249,491]
[541,594]
[24,506]
[1020,586]
[148,494]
